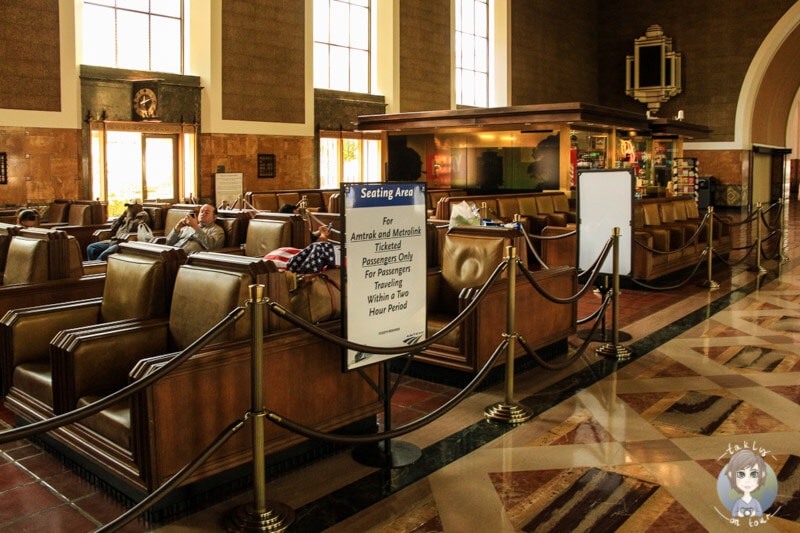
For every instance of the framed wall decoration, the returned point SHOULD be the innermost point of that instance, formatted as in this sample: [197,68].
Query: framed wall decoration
[266,165]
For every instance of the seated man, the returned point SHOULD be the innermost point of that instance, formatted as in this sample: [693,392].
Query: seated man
[126,223]
[28,218]
[197,233]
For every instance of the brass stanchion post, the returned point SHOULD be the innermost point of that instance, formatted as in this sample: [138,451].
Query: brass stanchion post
[261,515]
[484,210]
[757,267]
[709,281]
[509,411]
[782,258]
[614,349]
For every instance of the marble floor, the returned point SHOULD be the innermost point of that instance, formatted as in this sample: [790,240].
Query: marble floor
[634,446]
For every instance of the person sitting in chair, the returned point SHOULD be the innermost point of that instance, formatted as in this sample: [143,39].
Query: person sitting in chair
[126,223]
[198,233]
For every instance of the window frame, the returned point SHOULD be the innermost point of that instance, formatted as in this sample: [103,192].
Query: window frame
[361,137]
[329,44]
[458,53]
[150,15]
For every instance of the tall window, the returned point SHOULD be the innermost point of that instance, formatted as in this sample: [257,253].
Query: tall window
[341,45]
[472,52]
[134,34]
[348,157]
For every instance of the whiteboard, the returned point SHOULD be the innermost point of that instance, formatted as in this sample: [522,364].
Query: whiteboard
[605,202]
[228,186]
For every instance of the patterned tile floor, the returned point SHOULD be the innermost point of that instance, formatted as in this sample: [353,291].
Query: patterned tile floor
[630,447]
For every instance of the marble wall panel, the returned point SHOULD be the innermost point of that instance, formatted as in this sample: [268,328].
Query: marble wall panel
[43,164]
[294,160]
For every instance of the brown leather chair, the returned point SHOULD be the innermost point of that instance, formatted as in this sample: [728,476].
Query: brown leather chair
[202,296]
[269,231]
[7,231]
[546,207]
[470,255]
[56,213]
[138,285]
[79,215]
[561,205]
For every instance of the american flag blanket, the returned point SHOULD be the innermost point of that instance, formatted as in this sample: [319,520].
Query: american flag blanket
[312,259]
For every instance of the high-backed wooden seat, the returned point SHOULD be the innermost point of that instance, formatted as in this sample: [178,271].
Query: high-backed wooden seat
[138,284]
[7,231]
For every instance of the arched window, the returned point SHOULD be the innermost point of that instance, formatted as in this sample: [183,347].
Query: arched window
[342,45]
[134,34]
[472,52]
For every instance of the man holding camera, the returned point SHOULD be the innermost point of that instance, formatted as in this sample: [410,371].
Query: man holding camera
[197,233]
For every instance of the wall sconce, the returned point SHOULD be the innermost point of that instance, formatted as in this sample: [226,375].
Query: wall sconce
[653,72]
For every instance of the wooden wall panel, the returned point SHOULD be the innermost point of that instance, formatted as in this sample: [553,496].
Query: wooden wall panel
[424,55]
[263,58]
[30,67]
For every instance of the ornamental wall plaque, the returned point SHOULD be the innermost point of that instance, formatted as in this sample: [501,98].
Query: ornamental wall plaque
[653,72]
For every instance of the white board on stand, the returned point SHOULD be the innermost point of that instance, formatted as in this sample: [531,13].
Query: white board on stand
[605,202]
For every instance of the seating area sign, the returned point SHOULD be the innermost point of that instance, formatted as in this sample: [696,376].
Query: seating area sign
[605,202]
[385,267]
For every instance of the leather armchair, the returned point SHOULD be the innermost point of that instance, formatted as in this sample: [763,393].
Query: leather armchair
[470,255]
[545,206]
[561,205]
[269,231]
[7,231]
[138,285]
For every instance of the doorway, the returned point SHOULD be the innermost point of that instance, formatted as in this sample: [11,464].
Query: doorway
[153,166]
[768,175]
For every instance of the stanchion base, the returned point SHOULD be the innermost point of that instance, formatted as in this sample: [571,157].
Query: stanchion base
[709,284]
[244,518]
[614,351]
[760,270]
[402,454]
[512,413]
[601,336]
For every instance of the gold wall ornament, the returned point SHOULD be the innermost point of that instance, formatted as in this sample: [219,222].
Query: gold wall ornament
[653,72]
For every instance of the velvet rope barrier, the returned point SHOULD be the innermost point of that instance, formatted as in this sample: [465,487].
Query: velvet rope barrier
[298,321]
[311,433]
[686,245]
[594,313]
[679,285]
[570,358]
[738,261]
[577,296]
[179,477]
[533,249]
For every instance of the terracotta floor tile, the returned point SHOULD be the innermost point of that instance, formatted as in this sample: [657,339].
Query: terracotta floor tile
[655,451]
[26,500]
[71,486]
[407,396]
[43,465]
[13,445]
[431,403]
[11,476]
[105,509]
[62,518]
[22,452]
